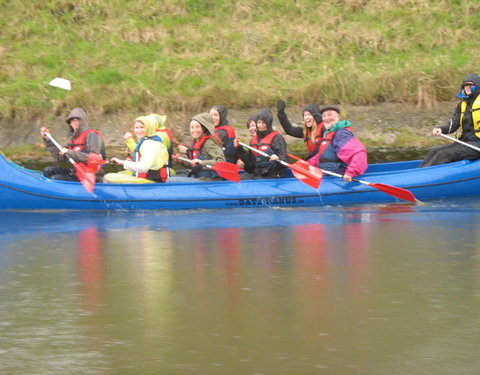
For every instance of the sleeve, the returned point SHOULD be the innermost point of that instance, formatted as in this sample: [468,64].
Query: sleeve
[292,130]
[213,152]
[53,150]
[454,123]
[351,151]
[279,146]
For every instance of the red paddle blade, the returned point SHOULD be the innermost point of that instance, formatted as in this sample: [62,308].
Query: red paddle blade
[86,178]
[228,171]
[395,191]
[94,162]
[306,173]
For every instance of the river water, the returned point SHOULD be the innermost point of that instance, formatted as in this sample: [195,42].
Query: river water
[391,289]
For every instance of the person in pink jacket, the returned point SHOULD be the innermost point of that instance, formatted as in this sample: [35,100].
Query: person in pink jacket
[340,151]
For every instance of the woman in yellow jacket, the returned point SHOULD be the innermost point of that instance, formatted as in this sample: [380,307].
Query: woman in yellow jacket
[149,156]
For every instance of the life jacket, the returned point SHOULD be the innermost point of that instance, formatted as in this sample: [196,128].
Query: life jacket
[195,149]
[194,152]
[475,116]
[263,166]
[160,175]
[78,144]
[264,144]
[228,147]
[314,146]
[328,157]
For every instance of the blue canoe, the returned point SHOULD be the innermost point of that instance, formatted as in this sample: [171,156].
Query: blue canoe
[24,189]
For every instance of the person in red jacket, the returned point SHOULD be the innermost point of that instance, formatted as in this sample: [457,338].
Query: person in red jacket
[224,132]
[82,142]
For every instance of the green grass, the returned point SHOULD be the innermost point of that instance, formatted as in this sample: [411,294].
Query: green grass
[125,55]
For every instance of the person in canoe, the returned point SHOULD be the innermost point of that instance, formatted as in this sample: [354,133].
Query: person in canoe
[224,131]
[310,131]
[166,137]
[205,149]
[466,118]
[149,157]
[339,150]
[269,141]
[252,130]
[82,142]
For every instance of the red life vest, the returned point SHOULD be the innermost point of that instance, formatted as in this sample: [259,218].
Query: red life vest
[196,147]
[264,144]
[78,144]
[326,141]
[313,146]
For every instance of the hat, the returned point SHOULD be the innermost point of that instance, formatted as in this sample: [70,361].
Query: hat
[330,108]
[206,120]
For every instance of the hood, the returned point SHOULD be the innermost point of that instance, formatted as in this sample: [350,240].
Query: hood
[267,117]
[82,115]
[159,120]
[150,124]
[206,120]
[223,112]
[314,110]
[473,78]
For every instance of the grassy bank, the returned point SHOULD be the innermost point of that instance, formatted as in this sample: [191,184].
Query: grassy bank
[184,55]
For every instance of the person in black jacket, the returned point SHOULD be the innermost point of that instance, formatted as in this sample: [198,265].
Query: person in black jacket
[466,118]
[268,141]
[312,129]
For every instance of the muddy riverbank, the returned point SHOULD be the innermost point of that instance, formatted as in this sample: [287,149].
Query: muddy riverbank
[396,131]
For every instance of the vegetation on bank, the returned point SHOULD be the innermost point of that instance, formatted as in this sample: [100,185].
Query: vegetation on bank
[184,55]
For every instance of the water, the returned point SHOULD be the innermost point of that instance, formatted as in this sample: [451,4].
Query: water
[359,290]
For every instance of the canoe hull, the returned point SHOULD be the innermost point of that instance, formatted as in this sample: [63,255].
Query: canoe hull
[23,189]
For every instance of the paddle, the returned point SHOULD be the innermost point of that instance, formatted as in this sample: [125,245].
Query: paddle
[228,171]
[461,142]
[86,177]
[309,175]
[388,189]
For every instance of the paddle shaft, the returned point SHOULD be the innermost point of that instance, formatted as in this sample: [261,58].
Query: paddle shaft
[189,161]
[58,146]
[461,142]
[264,154]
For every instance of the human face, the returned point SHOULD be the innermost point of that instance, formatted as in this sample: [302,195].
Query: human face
[252,128]
[196,129]
[215,115]
[139,129]
[468,88]
[308,119]
[330,118]
[261,126]
[74,123]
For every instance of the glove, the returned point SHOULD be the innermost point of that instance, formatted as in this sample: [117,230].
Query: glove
[280,106]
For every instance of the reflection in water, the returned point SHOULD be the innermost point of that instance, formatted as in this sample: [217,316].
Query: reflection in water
[361,290]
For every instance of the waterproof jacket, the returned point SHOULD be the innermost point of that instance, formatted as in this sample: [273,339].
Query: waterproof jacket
[150,153]
[298,131]
[344,146]
[260,165]
[466,116]
[93,142]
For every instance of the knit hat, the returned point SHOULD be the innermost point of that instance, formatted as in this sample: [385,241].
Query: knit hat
[206,120]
